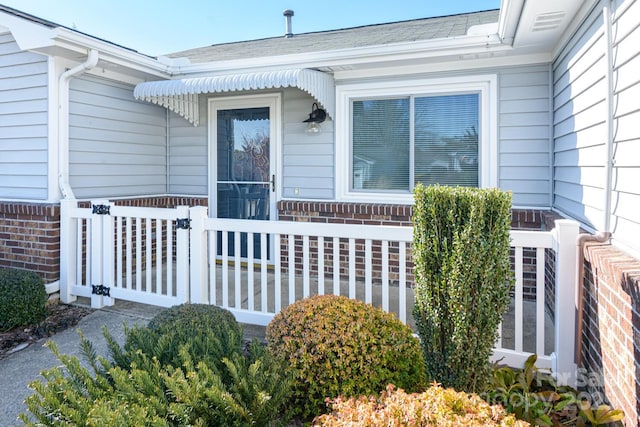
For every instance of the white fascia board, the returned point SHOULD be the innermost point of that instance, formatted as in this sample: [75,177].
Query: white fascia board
[510,12]
[451,64]
[74,41]
[355,56]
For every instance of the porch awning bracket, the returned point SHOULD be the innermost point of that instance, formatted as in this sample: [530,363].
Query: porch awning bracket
[181,95]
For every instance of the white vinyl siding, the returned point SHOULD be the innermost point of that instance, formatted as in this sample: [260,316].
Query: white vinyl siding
[625,219]
[524,152]
[307,158]
[188,154]
[117,145]
[23,122]
[579,130]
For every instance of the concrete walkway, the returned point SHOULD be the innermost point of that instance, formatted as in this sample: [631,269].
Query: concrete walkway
[23,367]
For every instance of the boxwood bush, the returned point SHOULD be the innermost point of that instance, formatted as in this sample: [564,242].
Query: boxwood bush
[23,298]
[338,346]
[463,275]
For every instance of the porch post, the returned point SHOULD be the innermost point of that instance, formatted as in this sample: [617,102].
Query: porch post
[68,250]
[565,235]
[198,289]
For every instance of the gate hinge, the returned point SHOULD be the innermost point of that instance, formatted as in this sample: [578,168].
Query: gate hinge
[100,290]
[183,223]
[101,209]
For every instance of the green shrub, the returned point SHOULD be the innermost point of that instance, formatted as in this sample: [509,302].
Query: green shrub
[533,395]
[186,372]
[463,279]
[211,333]
[23,298]
[435,407]
[338,346]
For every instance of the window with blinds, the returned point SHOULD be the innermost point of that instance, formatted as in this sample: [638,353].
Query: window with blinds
[398,142]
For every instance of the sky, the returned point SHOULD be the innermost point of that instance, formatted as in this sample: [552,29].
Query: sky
[157,27]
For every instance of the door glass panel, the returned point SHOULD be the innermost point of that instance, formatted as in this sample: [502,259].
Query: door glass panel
[243,168]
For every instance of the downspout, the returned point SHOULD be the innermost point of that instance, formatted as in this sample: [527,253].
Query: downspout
[604,235]
[63,121]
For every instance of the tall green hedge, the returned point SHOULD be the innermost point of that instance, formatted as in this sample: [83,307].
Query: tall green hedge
[463,278]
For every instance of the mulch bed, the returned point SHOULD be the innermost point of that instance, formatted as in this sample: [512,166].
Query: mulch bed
[59,317]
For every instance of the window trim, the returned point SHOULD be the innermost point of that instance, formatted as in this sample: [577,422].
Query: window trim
[485,85]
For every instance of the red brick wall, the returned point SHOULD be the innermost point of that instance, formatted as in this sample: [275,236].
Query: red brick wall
[30,238]
[611,328]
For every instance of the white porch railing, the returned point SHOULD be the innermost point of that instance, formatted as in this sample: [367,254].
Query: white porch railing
[255,268]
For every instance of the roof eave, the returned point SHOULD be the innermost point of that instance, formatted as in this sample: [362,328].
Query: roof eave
[355,56]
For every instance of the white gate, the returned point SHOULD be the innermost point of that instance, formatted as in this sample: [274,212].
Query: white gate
[119,252]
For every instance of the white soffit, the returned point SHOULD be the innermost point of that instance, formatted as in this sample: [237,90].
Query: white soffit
[181,96]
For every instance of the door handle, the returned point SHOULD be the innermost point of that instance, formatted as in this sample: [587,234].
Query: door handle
[273,183]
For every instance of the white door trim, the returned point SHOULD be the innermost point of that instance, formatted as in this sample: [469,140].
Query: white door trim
[274,102]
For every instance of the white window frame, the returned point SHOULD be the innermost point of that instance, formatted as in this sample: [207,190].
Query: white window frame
[485,85]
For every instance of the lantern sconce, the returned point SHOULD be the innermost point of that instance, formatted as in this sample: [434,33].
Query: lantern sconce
[317,116]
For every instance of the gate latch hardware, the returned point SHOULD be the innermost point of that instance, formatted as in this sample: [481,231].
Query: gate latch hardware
[100,209]
[183,223]
[100,290]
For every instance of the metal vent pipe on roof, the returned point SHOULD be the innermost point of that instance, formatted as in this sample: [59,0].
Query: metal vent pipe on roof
[288,13]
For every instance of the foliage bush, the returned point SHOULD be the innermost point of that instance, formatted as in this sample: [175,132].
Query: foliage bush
[338,346]
[463,278]
[533,395]
[211,333]
[205,377]
[435,407]
[23,298]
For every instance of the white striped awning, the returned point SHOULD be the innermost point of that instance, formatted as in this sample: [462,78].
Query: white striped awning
[181,95]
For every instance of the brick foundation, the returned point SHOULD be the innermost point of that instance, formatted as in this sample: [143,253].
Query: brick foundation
[30,238]
[611,328]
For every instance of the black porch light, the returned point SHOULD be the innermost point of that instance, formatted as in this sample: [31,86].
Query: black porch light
[317,116]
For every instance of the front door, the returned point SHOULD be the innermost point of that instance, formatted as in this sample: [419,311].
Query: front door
[244,135]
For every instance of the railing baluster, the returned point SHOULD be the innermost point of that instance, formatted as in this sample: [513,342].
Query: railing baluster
[129,258]
[320,265]
[237,268]
[352,268]
[385,275]
[138,236]
[305,266]
[264,284]
[149,254]
[402,285]
[540,299]
[278,272]
[336,266]
[170,260]
[225,269]
[211,259]
[119,251]
[368,281]
[518,299]
[159,245]
[250,284]
[291,251]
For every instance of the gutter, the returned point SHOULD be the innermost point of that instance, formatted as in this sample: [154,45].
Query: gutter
[63,121]
[604,235]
